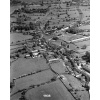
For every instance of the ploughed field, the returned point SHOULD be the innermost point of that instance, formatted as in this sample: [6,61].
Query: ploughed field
[50,50]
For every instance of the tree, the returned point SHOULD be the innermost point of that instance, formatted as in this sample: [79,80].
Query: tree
[86,57]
